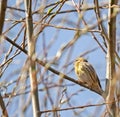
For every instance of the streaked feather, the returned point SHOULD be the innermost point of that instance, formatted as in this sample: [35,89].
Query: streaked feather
[86,73]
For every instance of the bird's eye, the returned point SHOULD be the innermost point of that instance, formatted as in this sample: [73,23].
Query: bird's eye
[76,60]
[85,60]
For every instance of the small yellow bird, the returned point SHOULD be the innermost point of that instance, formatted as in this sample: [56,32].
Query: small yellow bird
[87,75]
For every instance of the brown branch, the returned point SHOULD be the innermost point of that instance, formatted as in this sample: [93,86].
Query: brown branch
[3,4]
[3,108]
[77,107]
[100,25]
[71,108]
[111,45]
[47,65]
[31,55]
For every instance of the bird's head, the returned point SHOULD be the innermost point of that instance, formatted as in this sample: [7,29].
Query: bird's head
[80,59]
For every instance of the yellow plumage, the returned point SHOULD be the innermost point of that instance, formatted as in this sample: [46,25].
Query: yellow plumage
[86,74]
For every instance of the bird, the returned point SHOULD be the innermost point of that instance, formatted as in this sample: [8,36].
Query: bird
[87,75]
